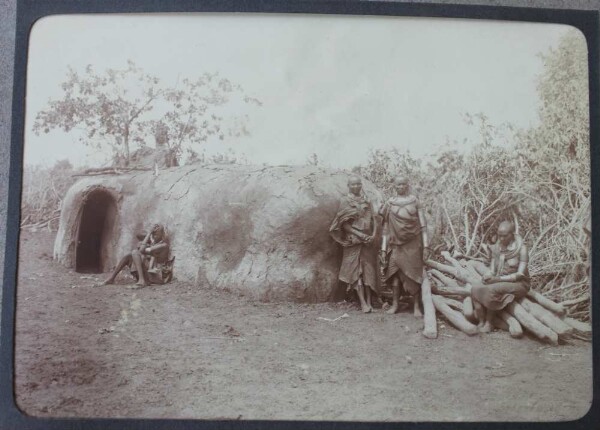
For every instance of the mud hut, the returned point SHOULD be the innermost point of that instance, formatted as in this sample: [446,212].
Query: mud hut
[262,231]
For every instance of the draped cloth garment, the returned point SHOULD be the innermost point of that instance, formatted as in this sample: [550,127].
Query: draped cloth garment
[499,294]
[359,260]
[405,251]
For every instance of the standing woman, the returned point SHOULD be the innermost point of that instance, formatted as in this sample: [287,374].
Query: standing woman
[405,244]
[354,228]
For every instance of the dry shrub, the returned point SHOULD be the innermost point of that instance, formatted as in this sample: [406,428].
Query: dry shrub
[539,178]
[43,191]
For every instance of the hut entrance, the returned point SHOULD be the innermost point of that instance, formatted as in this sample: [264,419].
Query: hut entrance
[98,216]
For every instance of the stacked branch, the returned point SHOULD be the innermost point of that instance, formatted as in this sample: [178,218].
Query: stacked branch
[97,171]
[43,191]
[451,284]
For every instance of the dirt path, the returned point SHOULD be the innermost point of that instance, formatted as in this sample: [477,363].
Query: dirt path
[179,351]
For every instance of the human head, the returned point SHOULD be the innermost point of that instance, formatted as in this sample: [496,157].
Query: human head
[401,184]
[506,233]
[354,185]
[158,231]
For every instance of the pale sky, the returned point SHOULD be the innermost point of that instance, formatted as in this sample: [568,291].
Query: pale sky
[331,85]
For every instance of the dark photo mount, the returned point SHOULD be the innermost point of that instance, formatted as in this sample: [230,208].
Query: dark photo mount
[94,252]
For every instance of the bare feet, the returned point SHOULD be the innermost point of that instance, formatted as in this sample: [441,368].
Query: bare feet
[366,309]
[416,309]
[107,282]
[393,309]
[486,328]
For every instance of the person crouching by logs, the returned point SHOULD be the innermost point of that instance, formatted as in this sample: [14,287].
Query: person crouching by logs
[507,279]
[405,245]
[354,228]
[150,260]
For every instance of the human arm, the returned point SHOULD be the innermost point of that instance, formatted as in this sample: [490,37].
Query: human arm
[144,243]
[424,234]
[384,240]
[519,275]
[155,249]
[347,227]
[488,277]
[374,224]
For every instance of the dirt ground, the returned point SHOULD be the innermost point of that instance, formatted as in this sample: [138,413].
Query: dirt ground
[179,351]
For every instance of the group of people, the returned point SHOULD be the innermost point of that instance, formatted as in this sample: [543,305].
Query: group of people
[404,248]
[398,262]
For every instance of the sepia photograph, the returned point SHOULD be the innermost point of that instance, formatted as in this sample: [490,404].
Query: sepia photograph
[247,216]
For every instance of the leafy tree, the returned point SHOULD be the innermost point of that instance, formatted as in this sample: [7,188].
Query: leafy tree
[192,116]
[556,161]
[125,108]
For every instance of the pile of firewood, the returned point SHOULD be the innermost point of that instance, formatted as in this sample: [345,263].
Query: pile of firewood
[447,289]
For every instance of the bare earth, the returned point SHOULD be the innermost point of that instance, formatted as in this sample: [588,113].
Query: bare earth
[179,351]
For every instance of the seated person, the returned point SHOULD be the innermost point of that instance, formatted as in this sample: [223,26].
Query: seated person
[508,277]
[150,260]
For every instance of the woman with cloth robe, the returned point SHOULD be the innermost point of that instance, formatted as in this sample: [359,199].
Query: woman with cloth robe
[354,228]
[507,279]
[403,245]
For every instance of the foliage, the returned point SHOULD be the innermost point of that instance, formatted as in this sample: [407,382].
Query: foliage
[122,109]
[538,178]
[227,157]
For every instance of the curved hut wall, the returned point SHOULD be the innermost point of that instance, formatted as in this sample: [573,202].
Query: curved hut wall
[261,231]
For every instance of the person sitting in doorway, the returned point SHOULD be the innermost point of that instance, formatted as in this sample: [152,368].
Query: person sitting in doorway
[150,260]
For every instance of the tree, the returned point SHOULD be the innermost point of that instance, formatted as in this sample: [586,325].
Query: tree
[125,108]
[193,116]
[556,159]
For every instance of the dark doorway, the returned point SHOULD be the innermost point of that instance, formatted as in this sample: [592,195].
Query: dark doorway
[95,233]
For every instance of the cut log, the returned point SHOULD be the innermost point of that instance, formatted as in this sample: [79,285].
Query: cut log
[449,291]
[454,304]
[467,266]
[430,328]
[530,323]
[450,259]
[461,273]
[514,327]
[479,267]
[546,302]
[446,280]
[455,318]
[468,310]
[548,318]
[579,326]
[449,270]
[460,256]
[445,286]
